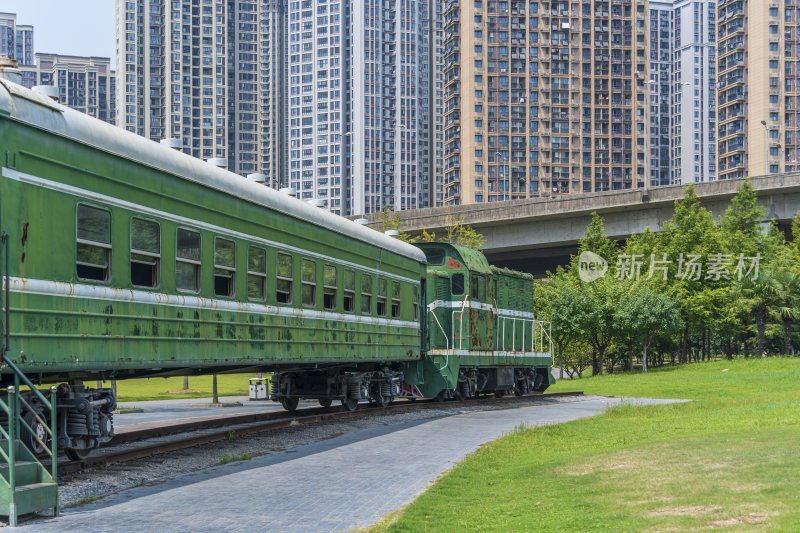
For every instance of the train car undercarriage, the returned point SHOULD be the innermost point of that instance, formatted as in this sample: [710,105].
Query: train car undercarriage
[380,386]
[85,419]
[383,386]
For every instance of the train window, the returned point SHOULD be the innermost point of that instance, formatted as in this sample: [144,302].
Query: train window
[415,301]
[477,288]
[395,299]
[349,291]
[435,256]
[224,267]
[366,294]
[145,253]
[93,252]
[382,288]
[187,261]
[457,284]
[329,287]
[256,273]
[309,280]
[283,291]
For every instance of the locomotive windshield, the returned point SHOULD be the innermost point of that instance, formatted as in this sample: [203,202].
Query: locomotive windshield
[435,256]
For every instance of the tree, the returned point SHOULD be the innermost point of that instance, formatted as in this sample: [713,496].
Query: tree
[595,317]
[787,303]
[460,234]
[595,240]
[742,222]
[796,229]
[644,314]
[562,301]
[456,232]
[690,237]
[758,295]
[577,358]
[390,220]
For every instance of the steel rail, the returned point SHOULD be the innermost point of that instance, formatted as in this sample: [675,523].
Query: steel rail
[234,426]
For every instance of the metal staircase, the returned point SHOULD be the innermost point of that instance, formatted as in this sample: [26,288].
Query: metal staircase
[26,485]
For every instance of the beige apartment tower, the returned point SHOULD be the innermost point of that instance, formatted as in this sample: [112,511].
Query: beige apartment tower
[544,98]
[758,88]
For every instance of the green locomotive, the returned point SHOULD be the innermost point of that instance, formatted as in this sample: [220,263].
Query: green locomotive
[123,258]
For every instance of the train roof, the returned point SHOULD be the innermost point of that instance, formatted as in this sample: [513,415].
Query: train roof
[474,260]
[29,107]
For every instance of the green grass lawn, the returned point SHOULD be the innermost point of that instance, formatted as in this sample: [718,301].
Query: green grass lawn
[137,390]
[729,460]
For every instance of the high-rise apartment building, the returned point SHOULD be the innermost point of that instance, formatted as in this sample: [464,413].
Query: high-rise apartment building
[16,42]
[256,88]
[758,87]
[544,97]
[662,40]
[204,71]
[430,95]
[84,83]
[362,102]
[682,91]
[694,110]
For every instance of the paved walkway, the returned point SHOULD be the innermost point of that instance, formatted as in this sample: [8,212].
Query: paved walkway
[338,484]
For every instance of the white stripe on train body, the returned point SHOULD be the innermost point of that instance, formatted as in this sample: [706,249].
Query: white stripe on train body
[64,289]
[457,304]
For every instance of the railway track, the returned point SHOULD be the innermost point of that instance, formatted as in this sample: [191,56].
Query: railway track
[227,427]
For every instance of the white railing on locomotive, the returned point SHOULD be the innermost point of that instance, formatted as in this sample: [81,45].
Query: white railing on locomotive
[465,302]
[540,333]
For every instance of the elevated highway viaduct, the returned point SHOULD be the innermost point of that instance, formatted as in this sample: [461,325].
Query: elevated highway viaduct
[535,235]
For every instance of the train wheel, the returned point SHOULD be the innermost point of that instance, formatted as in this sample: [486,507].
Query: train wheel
[325,402]
[290,404]
[380,401]
[499,393]
[350,404]
[77,454]
[39,430]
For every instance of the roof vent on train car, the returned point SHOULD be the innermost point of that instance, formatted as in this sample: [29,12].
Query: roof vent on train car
[316,202]
[49,91]
[391,233]
[362,221]
[220,162]
[9,70]
[172,142]
[291,191]
[257,177]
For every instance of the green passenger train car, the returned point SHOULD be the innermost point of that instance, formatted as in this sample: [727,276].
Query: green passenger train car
[125,258]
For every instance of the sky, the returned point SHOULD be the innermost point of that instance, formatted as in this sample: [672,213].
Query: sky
[71,27]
